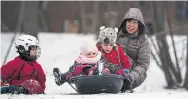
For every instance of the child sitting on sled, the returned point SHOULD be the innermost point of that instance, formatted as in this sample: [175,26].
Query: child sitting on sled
[24,75]
[85,64]
[113,60]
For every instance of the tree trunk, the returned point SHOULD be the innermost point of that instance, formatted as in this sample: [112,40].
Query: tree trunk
[101,21]
[177,71]
[186,75]
[165,60]
[44,16]
[4,28]
[95,18]
[164,54]
[83,17]
[29,18]
[20,18]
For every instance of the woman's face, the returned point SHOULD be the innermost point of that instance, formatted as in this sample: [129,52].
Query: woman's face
[132,26]
[107,48]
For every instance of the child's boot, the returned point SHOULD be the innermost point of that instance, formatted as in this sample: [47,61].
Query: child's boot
[59,77]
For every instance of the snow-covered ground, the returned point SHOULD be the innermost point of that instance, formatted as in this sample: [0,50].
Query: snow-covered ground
[60,50]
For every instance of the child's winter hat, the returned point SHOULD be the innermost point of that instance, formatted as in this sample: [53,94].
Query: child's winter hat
[107,35]
[87,47]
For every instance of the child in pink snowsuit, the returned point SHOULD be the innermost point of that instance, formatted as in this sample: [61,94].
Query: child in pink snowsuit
[85,64]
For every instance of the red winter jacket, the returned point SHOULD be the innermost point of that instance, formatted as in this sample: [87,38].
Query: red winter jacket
[18,70]
[114,58]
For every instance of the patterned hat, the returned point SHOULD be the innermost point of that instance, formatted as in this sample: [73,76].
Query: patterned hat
[107,35]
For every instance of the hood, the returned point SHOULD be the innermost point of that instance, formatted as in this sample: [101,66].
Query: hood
[133,13]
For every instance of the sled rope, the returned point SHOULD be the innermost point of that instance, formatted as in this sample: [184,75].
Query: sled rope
[73,87]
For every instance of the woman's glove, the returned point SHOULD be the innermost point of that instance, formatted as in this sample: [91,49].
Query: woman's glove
[127,83]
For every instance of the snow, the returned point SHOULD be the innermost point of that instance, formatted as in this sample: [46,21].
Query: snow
[146,95]
[60,50]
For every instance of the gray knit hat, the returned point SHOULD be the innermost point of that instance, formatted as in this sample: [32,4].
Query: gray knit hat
[107,35]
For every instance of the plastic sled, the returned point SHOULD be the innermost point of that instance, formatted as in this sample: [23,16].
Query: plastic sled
[98,84]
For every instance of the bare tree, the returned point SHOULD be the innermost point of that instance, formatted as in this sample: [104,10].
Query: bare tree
[4,28]
[186,75]
[83,18]
[166,63]
[95,17]
[43,15]
[178,71]
[29,18]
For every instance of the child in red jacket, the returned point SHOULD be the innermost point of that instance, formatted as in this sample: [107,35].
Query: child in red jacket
[24,75]
[112,52]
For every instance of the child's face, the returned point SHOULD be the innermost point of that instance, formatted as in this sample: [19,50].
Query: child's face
[107,48]
[91,54]
[33,51]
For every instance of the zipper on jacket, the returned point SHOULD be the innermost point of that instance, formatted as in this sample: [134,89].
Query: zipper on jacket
[128,42]
[33,73]
[21,70]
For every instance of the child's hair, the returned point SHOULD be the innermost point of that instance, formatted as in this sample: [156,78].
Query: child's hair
[107,35]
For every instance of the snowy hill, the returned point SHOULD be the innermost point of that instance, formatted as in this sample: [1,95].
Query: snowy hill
[60,50]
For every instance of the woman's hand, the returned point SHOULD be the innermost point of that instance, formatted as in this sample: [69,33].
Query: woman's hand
[127,83]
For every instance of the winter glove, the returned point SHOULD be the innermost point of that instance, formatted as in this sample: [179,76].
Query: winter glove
[127,83]
[126,71]
[106,71]
[33,86]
